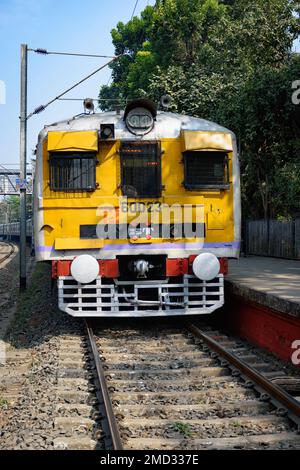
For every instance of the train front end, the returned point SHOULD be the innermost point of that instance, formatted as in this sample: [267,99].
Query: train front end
[137,211]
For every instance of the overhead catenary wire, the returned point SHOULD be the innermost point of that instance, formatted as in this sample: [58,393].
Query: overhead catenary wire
[132,15]
[9,172]
[41,108]
[110,78]
[142,31]
[11,164]
[7,169]
[134,8]
[42,51]
[93,99]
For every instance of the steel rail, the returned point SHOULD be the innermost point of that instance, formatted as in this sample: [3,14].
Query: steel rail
[7,255]
[272,389]
[113,428]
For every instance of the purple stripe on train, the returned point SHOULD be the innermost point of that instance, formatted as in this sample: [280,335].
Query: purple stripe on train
[44,248]
[174,246]
[156,246]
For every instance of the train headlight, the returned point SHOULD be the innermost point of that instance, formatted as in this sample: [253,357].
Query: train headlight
[84,269]
[206,266]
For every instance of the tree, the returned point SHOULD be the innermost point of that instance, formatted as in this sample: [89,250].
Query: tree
[230,62]
[130,41]
[10,208]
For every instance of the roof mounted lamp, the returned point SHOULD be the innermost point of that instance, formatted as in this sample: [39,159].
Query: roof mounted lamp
[88,105]
[139,116]
[166,101]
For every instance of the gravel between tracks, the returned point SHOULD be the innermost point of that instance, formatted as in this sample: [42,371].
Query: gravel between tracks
[149,369]
[37,365]
[26,406]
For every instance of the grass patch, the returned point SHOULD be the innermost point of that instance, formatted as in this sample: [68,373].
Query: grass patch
[237,424]
[201,401]
[32,305]
[183,428]
[3,403]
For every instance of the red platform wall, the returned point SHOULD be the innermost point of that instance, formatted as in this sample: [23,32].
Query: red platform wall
[264,327]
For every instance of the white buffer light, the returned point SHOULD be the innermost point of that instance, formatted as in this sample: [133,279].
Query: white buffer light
[84,269]
[206,266]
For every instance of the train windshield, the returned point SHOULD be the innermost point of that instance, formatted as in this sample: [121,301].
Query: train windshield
[72,171]
[141,169]
[206,169]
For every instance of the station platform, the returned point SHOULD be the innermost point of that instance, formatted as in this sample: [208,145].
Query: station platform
[272,282]
[262,303]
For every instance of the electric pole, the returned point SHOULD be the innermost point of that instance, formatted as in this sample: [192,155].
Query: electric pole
[23,164]
[23,137]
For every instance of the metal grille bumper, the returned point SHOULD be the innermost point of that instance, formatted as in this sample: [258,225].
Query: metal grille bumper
[140,298]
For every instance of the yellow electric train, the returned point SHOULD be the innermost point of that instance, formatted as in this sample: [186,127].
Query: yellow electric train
[138,211]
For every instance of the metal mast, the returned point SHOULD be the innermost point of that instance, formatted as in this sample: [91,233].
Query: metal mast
[23,163]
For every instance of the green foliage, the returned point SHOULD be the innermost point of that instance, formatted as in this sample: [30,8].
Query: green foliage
[267,125]
[183,428]
[3,403]
[30,308]
[130,41]
[230,62]
[10,208]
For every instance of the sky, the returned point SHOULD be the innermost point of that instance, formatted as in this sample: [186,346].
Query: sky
[65,25]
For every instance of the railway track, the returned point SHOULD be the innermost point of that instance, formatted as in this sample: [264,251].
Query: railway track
[6,250]
[173,389]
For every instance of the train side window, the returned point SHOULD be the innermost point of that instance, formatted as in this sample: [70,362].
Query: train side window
[141,169]
[72,171]
[206,170]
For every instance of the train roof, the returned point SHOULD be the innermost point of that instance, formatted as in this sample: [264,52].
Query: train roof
[167,125]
